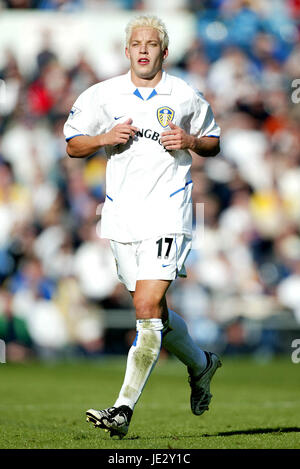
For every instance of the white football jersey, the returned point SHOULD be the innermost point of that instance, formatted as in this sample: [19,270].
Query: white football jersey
[148,189]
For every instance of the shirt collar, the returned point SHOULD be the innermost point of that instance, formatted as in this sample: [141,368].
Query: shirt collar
[165,84]
[163,87]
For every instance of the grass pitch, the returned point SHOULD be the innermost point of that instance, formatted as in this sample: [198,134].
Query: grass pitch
[255,405]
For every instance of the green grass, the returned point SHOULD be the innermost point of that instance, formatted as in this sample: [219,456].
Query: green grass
[255,405]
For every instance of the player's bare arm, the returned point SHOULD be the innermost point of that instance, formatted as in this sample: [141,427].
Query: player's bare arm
[178,139]
[85,145]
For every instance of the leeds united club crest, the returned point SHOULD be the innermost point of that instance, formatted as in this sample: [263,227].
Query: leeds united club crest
[164,115]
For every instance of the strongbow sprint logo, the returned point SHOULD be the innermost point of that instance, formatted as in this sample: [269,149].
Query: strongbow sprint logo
[164,115]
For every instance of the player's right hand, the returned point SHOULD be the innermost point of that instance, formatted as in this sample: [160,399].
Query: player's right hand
[120,134]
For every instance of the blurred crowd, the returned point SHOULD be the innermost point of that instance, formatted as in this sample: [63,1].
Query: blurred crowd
[58,280]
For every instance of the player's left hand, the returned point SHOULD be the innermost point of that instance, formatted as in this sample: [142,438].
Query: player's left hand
[175,139]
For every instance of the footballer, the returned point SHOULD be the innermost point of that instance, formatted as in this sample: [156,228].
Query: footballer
[147,121]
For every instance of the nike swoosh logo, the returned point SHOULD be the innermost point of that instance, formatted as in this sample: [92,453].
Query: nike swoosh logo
[165,265]
[116,118]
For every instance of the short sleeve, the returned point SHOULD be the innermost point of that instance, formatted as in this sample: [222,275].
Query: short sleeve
[202,122]
[84,117]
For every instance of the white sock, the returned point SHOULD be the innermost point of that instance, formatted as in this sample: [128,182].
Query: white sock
[177,340]
[141,359]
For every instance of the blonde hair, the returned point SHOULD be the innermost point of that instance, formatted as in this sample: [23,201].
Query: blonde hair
[148,21]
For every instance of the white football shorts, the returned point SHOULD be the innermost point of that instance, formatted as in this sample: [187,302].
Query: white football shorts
[160,258]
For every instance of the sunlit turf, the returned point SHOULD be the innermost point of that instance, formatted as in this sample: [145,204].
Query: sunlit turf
[255,405]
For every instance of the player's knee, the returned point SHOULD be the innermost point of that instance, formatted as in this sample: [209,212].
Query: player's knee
[147,308]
